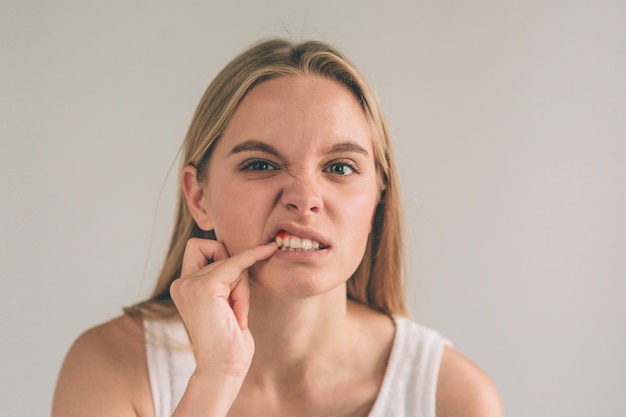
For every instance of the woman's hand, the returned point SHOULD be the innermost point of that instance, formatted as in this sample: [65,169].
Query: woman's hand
[213,301]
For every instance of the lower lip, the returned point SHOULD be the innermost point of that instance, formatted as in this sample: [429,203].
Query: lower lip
[300,256]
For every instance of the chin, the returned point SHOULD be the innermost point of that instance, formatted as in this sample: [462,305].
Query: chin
[297,283]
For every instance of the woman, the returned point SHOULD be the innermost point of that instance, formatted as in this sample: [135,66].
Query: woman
[281,291]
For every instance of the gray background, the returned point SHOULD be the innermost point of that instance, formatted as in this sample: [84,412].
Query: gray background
[509,122]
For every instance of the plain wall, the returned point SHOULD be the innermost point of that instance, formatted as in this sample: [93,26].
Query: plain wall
[509,123]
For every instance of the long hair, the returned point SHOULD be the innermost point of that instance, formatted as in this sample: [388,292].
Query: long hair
[377,282]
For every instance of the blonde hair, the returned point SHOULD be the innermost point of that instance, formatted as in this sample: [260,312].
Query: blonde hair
[377,282]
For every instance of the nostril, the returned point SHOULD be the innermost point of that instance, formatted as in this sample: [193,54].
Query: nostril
[314,209]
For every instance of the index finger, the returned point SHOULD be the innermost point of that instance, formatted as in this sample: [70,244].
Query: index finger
[236,264]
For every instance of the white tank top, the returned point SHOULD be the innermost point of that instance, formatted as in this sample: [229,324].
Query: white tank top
[409,387]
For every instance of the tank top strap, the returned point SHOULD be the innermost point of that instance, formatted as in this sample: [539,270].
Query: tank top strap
[409,388]
[170,362]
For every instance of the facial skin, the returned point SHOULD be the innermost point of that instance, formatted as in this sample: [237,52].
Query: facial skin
[296,156]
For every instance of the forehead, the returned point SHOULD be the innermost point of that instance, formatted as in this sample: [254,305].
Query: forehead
[304,112]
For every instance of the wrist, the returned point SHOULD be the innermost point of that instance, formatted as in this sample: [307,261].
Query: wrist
[213,394]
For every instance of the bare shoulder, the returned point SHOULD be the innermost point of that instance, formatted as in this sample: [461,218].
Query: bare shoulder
[105,373]
[372,324]
[464,390]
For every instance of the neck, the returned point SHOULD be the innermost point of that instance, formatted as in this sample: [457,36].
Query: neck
[298,338]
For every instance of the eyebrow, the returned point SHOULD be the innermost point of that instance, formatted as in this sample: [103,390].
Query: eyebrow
[254,145]
[348,146]
[260,146]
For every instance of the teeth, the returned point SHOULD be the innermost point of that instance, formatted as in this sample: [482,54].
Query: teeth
[295,243]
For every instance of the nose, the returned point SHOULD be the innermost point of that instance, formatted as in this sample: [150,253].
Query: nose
[302,194]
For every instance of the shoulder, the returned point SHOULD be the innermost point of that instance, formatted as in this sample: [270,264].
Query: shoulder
[464,390]
[104,372]
[372,325]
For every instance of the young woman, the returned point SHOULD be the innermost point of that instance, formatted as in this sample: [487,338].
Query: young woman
[281,292]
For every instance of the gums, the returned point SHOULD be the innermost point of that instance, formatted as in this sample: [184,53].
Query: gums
[287,242]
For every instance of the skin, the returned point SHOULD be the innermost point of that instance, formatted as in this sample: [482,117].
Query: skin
[284,340]
[279,163]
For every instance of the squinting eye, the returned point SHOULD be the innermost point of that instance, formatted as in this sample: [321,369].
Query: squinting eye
[258,166]
[340,169]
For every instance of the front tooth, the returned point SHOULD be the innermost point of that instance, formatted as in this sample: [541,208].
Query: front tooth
[296,242]
[291,243]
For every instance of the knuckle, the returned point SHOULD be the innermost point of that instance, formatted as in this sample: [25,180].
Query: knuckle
[175,286]
[192,243]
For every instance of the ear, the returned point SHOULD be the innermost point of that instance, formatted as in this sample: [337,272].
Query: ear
[196,198]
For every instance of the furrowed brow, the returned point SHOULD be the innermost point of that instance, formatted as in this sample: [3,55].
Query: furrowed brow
[254,145]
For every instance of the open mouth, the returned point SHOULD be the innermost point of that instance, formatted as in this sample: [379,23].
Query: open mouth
[287,242]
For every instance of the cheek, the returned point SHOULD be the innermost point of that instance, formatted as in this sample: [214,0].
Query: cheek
[236,211]
[358,213]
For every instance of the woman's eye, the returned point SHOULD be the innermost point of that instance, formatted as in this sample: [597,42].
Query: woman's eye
[341,169]
[258,166]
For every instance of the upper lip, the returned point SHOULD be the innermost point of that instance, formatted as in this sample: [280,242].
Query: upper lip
[302,232]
